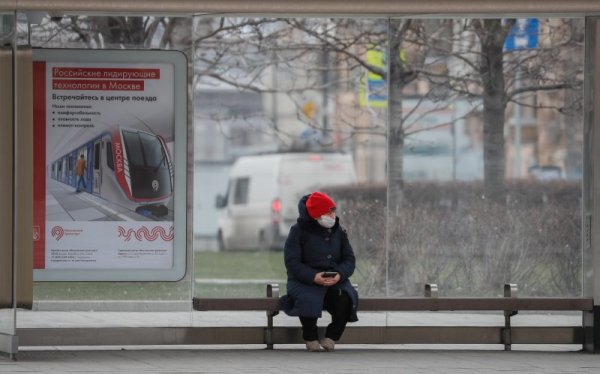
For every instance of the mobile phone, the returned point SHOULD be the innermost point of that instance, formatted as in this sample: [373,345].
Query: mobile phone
[329,274]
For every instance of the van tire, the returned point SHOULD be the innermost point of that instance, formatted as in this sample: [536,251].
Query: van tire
[220,242]
[262,241]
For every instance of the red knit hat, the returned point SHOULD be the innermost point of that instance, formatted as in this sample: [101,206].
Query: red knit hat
[318,204]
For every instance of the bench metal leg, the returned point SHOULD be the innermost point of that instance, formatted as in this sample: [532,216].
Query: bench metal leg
[591,330]
[272,291]
[510,290]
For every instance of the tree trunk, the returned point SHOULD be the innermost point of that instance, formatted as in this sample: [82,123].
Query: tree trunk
[396,81]
[395,140]
[395,152]
[126,31]
[574,110]
[494,105]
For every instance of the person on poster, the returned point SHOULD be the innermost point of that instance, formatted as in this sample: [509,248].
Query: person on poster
[319,261]
[80,169]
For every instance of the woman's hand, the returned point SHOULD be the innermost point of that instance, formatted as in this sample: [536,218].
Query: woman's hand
[326,281]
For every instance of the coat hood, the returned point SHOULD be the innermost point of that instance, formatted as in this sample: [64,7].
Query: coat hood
[302,212]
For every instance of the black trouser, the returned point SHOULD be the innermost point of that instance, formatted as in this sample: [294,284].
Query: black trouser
[339,305]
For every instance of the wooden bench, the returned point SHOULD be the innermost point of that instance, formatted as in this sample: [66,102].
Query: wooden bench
[507,335]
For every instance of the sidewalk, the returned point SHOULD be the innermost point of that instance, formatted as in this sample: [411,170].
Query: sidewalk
[290,359]
[293,359]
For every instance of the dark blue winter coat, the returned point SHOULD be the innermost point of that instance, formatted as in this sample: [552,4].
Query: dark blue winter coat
[309,249]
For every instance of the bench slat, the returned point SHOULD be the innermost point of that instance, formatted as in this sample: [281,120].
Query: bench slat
[236,304]
[416,304]
[412,304]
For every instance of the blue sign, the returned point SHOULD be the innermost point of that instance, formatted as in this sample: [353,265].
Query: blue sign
[523,35]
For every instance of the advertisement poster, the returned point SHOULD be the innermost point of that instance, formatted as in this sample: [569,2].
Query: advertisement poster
[105,130]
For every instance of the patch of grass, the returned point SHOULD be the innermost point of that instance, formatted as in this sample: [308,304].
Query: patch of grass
[111,290]
[233,291]
[207,265]
[212,267]
[212,273]
[239,265]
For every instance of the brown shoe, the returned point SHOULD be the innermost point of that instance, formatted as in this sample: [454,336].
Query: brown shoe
[328,344]
[313,346]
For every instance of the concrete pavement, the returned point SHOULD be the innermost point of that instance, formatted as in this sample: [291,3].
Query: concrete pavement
[293,359]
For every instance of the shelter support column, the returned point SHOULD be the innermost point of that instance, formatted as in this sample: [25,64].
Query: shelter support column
[591,185]
[8,341]
[16,199]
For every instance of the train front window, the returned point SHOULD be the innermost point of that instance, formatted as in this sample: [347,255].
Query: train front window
[144,149]
[148,168]
[134,148]
[153,150]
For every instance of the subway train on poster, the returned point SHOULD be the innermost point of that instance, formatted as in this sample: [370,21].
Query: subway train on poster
[125,166]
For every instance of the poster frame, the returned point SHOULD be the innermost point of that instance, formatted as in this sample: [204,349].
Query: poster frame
[180,101]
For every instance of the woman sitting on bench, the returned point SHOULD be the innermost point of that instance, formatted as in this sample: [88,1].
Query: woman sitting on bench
[319,261]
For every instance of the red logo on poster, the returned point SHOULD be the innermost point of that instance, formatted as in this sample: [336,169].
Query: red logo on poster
[57,232]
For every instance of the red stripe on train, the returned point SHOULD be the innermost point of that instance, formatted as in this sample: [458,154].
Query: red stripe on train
[119,157]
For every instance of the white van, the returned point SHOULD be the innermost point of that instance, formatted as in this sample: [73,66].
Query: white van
[261,203]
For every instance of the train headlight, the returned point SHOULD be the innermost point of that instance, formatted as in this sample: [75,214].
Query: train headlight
[155,185]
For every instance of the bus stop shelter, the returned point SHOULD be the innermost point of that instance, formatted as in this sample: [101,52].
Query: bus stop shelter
[20,89]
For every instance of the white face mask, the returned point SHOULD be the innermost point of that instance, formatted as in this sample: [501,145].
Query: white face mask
[326,221]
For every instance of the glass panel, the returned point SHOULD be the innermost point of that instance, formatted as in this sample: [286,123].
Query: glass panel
[485,156]
[290,106]
[117,32]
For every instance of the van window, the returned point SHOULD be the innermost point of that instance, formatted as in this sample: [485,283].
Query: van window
[240,192]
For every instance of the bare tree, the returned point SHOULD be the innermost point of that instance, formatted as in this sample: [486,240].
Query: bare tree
[307,55]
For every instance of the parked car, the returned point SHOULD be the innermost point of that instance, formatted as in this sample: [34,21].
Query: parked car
[545,172]
[261,202]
